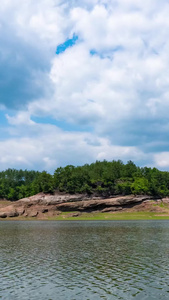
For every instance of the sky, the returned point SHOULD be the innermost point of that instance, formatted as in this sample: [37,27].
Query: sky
[84,80]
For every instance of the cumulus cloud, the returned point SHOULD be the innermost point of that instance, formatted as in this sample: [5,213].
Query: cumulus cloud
[22,118]
[48,147]
[112,83]
[29,33]
[162,160]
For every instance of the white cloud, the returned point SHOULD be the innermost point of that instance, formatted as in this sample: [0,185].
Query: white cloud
[122,83]
[48,147]
[162,160]
[22,118]
[114,80]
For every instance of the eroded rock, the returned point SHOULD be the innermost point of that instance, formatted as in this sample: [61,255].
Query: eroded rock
[3,215]
[33,214]
[51,205]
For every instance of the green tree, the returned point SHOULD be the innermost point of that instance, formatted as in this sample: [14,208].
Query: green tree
[140,186]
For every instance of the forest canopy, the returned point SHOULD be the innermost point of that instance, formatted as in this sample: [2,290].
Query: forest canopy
[101,178]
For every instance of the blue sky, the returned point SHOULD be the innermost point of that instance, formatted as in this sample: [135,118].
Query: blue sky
[82,81]
[68,43]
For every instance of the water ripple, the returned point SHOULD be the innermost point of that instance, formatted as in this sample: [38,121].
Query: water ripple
[84,260]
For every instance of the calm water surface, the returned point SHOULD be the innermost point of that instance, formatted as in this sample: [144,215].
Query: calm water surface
[84,260]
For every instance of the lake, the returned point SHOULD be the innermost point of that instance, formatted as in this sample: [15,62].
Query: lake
[84,260]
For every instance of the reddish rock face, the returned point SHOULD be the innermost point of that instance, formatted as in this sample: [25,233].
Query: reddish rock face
[8,211]
[3,215]
[33,214]
[46,204]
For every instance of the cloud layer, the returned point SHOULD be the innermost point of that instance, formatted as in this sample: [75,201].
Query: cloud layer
[102,96]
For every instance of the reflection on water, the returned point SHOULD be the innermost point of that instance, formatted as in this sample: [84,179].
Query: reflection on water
[84,260]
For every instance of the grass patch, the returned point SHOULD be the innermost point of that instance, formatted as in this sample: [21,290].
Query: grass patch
[97,216]
[141,215]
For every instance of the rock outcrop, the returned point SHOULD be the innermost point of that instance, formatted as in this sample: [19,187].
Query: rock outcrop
[45,204]
[101,204]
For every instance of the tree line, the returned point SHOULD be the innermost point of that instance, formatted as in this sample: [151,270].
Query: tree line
[101,178]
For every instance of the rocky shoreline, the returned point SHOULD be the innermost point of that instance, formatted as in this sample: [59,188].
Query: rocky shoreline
[47,205]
